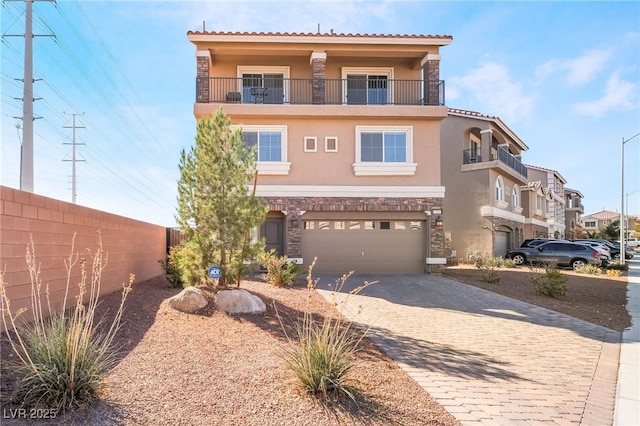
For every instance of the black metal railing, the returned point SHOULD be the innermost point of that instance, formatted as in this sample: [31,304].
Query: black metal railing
[298,91]
[470,156]
[510,160]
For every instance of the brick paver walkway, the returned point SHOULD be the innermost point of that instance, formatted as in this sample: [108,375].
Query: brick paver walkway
[489,359]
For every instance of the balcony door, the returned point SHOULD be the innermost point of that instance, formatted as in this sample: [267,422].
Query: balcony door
[367,86]
[263,85]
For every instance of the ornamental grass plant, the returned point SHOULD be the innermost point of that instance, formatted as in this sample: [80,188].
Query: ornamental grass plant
[325,350]
[61,359]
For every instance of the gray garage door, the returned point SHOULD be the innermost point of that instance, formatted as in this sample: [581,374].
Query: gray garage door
[365,246]
[501,244]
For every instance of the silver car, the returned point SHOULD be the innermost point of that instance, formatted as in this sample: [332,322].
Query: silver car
[561,253]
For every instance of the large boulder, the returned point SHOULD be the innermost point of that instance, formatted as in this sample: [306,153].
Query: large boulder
[239,302]
[188,300]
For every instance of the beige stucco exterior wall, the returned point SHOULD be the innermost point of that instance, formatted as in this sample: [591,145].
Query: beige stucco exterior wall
[471,188]
[132,247]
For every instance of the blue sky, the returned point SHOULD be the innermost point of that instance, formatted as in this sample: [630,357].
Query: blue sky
[564,76]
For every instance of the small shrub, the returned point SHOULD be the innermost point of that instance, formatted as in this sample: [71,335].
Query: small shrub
[552,282]
[185,265]
[509,263]
[589,270]
[618,266]
[488,266]
[280,272]
[171,272]
[614,272]
[61,360]
[325,352]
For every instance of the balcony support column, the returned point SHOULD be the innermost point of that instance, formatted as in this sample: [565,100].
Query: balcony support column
[431,74]
[203,61]
[317,61]
[486,137]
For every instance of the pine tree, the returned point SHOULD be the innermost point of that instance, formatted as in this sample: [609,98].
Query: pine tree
[215,209]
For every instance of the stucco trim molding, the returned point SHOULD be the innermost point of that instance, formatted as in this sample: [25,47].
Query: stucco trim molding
[349,191]
[489,211]
[273,167]
[384,169]
[537,222]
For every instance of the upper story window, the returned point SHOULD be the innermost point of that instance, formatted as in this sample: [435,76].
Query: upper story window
[499,189]
[515,196]
[590,224]
[271,147]
[263,85]
[268,144]
[367,86]
[382,150]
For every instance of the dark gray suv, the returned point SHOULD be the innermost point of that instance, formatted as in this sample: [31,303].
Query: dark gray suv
[561,253]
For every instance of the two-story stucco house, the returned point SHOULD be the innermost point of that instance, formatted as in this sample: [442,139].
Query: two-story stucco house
[484,178]
[553,209]
[347,129]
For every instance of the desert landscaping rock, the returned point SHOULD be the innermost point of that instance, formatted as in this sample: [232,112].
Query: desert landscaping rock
[189,300]
[239,302]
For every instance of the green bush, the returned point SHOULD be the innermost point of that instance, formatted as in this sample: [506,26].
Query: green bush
[589,270]
[616,265]
[185,265]
[324,354]
[280,272]
[62,359]
[552,282]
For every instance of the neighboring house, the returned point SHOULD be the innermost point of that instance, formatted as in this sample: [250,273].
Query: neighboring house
[485,182]
[573,211]
[554,209]
[347,129]
[598,222]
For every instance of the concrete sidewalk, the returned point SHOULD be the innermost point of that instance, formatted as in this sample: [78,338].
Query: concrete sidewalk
[627,408]
[489,359]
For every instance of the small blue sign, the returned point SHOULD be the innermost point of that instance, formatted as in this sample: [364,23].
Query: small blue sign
[214,272]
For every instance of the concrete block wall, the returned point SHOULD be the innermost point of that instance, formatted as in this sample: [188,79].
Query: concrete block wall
[130,246]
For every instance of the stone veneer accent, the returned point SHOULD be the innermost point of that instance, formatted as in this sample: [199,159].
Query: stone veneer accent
[202,79]
[343,204]
[432,72]
[318,87]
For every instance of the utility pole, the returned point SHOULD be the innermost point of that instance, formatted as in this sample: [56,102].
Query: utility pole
[26,149]
[73,157]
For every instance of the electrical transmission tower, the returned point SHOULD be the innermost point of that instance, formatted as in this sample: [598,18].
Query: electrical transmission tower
[74,158]
[26,150]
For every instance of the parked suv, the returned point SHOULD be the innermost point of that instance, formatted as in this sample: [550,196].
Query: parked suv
[615,248]
[532,242]
[561,253]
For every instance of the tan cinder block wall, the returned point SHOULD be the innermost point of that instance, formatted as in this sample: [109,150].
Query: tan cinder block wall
[130,246]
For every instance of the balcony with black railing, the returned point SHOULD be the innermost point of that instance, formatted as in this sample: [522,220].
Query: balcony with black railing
[470,156]
[298,91]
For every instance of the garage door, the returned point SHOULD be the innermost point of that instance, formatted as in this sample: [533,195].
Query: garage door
[502,243]
[365,246]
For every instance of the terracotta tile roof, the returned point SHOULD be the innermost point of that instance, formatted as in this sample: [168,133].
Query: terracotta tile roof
[495,119]
[602,215]
[471,113]
[310,34]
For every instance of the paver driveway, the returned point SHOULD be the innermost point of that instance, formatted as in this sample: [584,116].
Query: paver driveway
[488,359]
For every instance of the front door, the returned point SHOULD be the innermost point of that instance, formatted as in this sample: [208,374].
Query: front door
[272,231]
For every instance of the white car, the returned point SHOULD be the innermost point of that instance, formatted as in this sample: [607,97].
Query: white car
[603,249]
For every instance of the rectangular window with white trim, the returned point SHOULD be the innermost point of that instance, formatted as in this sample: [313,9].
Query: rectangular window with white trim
[382,150]
[270,142]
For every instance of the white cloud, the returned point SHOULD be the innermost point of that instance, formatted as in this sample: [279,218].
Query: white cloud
[619,95]
[578,70]
[492,87]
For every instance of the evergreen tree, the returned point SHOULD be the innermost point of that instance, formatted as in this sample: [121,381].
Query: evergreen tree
[215,209]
